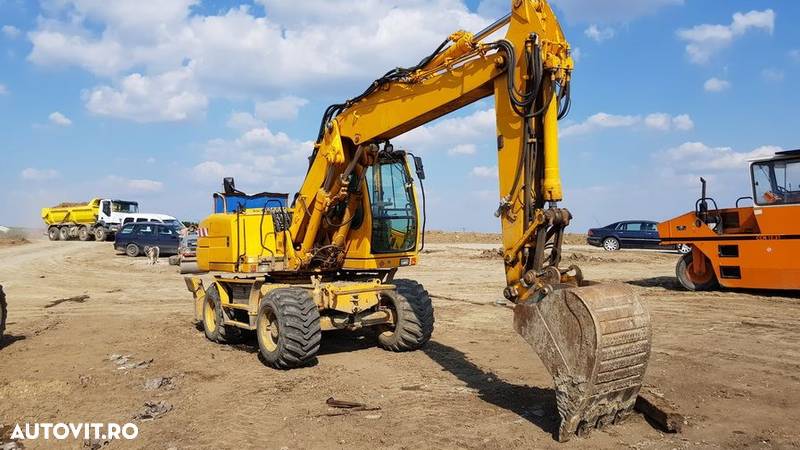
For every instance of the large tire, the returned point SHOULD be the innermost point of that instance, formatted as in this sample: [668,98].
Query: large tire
[691,281]
[611,244]
[84,234]
[132,250]
[288,328]
[100,234]
[63,233]
[53,233]
[212,320]
[3,313]
[414,312]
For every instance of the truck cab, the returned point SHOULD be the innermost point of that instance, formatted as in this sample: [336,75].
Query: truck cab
[113,212]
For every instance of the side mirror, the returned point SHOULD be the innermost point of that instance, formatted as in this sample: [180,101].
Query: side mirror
[228,185]
[419,167]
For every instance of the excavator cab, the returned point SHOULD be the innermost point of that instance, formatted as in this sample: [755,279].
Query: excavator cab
[390,189]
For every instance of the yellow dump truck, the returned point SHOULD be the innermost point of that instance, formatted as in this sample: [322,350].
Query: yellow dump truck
[98,219]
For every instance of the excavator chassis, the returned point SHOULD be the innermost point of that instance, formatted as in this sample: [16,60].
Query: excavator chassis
[595,342]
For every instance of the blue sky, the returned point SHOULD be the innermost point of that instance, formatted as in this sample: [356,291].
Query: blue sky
[157,100]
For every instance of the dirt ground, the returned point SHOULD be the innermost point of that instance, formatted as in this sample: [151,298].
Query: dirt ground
[729,361]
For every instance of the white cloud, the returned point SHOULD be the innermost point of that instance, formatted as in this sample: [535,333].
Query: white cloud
[451,132]
[599,121]
[463,149]
[773,75]
[10,31]
[3,89]
[59,119]
[577,54]
[700,156]
[310,45]
[683,122]
[263,158]
[169,97]
[655,121]
[716,85]
[599,34]
[284,108]
[32,174]
[703,41]
[134,186]
[484,171]
[243,121]
[794,55]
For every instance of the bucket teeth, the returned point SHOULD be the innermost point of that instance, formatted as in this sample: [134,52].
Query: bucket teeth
[595,342]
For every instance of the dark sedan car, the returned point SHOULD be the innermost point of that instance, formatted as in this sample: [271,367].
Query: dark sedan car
[628,234]
[133,238]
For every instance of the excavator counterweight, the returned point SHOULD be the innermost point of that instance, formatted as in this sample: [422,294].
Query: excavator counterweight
[328,261]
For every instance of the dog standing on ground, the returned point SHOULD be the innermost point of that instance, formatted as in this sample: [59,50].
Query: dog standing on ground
[152,254]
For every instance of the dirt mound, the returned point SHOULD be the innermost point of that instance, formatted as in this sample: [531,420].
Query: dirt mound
[13,237]
[69,204]
[439,237]
[446,237]
[493,253]
[574,239]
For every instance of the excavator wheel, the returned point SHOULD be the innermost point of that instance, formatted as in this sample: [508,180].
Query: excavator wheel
[692,281]
[288,328]
[3,313]
[212,320]
[413,310]
[595,342]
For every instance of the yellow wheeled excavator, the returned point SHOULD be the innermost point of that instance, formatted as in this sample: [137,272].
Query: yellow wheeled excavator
[328,260]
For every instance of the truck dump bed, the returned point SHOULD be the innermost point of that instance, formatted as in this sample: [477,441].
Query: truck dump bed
[81,214]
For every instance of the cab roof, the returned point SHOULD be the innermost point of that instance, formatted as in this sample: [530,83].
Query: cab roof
[782,155]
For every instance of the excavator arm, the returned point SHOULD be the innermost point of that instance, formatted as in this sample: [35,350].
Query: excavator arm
[593,338]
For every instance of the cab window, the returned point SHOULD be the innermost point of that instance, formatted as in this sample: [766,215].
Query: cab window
[126,229]
[394,212]
[776,182]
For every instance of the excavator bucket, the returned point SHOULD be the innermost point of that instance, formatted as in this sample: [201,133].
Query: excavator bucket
[595,342]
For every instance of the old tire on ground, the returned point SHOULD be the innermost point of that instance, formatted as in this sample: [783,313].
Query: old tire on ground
[53,234]
[63,233]
[84,234]
[212,320]
[611,244]
[288,328]
[692,281]
[413,310]
[175,260]
[100,234]
[3,312]
[132,250]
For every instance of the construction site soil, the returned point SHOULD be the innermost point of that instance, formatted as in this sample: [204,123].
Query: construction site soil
[98,337]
